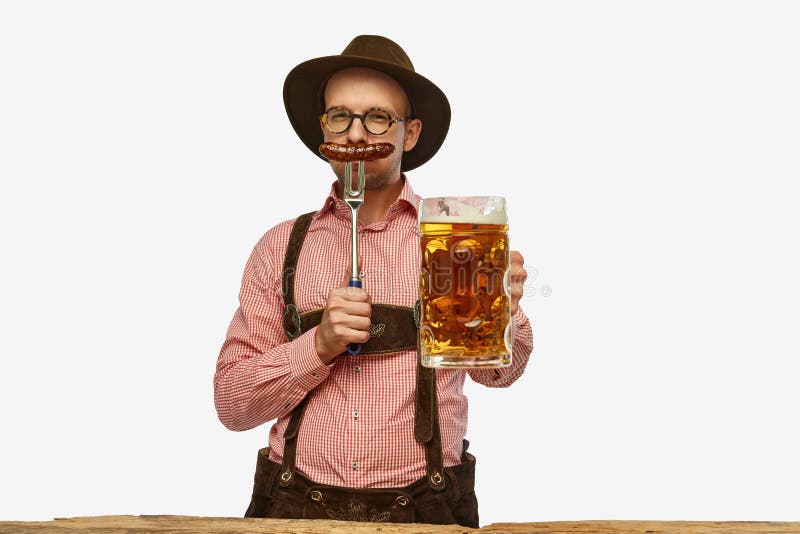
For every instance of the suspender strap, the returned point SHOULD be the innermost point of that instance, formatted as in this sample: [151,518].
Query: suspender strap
[290,445]
[423,420]
[296,238]
[426,425]
[291,316]
[292,327]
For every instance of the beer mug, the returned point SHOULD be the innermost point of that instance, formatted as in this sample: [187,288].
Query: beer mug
[463,285]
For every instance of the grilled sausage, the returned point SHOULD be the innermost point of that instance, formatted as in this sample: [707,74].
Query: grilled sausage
[339,152]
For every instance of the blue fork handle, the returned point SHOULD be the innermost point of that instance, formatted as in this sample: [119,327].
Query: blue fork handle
[354,349]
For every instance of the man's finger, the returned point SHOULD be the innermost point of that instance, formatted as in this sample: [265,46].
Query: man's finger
[354,294]
[518,276]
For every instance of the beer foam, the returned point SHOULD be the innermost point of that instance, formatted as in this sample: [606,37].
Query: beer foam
[473,210]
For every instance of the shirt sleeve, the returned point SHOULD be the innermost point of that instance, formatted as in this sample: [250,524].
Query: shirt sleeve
[259,375]
[521,348]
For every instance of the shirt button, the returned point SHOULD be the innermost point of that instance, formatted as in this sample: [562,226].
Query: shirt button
[355,466]
[355,414]
[357,369]
[362,274]
[315,375]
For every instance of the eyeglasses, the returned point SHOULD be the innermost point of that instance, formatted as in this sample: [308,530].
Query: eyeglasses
[376,120]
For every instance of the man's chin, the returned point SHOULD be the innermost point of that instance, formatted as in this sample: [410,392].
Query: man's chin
[376,184]
[372,181]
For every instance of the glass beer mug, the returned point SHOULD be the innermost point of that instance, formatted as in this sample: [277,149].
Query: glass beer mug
[464,298]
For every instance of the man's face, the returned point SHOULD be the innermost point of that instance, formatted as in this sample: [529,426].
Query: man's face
[359,90]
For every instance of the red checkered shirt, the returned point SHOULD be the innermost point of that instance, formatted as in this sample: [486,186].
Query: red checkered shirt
[358,428]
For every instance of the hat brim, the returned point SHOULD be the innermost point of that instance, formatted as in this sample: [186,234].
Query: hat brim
[301,96]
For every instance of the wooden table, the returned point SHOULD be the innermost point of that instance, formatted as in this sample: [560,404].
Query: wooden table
[175,523]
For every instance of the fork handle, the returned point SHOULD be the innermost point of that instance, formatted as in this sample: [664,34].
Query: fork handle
[354,349]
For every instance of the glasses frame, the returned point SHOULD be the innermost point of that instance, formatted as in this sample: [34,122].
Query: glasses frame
[362,116]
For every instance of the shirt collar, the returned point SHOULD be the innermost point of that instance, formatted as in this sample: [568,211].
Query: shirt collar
[406,200]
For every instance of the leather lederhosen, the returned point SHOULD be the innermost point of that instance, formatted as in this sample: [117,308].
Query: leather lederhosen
[442,496]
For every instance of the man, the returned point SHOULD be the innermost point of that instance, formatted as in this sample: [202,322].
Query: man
[373,436]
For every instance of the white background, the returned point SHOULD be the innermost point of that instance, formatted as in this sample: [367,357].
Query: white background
[649,152]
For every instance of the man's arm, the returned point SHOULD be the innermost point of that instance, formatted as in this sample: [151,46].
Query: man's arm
[259,375]
[521,349]
[522,343]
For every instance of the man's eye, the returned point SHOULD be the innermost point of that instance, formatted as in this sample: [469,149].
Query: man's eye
[379,117]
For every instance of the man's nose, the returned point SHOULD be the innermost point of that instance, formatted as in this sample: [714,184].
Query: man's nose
[357,133]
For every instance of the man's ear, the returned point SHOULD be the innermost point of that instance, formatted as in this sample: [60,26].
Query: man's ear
[413,129]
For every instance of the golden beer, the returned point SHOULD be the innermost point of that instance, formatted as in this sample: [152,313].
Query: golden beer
[464,303]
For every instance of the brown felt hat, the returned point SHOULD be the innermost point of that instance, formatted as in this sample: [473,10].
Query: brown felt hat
[302,94]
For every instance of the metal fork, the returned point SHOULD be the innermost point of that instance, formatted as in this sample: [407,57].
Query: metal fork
[354,198]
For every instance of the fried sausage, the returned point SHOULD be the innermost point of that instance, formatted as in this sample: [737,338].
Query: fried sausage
[339,152]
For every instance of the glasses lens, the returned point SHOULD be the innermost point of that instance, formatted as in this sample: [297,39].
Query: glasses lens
[337,119]
[377,121]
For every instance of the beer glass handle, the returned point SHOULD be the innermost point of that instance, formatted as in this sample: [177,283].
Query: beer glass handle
[354,349]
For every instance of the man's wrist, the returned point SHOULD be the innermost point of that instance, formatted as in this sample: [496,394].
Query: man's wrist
[325,356]
[306,367]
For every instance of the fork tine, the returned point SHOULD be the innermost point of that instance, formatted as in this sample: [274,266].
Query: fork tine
[361,178]
[348,179]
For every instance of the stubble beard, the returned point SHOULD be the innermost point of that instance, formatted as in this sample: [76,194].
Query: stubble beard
[371,181]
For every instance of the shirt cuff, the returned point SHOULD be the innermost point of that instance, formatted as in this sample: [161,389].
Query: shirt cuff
[520,318]
[308,371]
